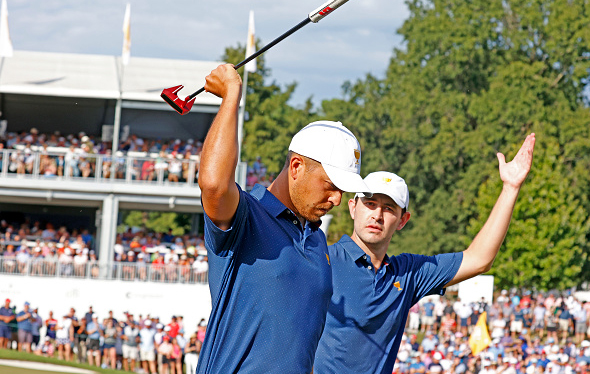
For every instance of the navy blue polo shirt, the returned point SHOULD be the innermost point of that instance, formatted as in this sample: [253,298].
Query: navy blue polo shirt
[368,310]
[271,282]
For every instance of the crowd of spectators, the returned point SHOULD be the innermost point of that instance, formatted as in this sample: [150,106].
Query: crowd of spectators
[540,333]
[141,343]
[530,332]
[164,257]
[42,250]
[75,155]
[257,173]
[175,160]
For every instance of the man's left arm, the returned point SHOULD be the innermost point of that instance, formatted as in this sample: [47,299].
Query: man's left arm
[479,257]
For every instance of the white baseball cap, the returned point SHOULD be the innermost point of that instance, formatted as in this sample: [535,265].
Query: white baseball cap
[388,184]
[337,149]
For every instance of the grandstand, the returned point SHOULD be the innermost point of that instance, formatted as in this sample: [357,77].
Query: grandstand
[76,180]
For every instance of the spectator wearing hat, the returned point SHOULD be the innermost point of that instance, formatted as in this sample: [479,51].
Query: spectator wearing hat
[165,351]
[81,339]
[201,330]
[94,331]
[7,315]
[176,355]
[147,347]
[131,341]
[36,324]
[64,337]
[109,345]
[129,266]
[25,335]
[158,340]
[191,354]
[435,366]
[46,348]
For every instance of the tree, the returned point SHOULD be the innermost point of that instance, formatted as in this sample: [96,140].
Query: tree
[473,79]
[271,121]
[157,221]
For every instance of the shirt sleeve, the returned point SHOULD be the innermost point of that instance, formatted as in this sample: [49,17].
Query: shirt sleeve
[223,242]
[431,273]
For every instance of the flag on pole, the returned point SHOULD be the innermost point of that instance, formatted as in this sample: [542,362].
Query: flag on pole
[251,45]
[127,35]
[5,43]
[480,337]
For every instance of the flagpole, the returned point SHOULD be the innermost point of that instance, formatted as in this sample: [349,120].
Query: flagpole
[250,66]
[117,124]
[242,115]
[123,61]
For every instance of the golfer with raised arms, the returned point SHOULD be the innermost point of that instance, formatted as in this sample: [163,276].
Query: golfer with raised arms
[373,293]
[269,270]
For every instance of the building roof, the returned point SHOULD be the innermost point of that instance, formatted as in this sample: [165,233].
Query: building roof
[97,76]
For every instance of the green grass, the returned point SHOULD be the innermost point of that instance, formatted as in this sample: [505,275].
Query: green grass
[23,356]
[14,370]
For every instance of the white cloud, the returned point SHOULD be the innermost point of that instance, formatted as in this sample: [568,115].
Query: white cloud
[356,39]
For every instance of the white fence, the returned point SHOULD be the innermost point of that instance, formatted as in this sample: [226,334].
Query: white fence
[121,271]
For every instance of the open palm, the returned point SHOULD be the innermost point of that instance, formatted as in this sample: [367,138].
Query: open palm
[515,172]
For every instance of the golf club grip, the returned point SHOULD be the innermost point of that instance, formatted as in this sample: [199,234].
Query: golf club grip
[325,9]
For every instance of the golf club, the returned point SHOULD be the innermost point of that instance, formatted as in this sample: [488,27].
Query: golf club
[184,106]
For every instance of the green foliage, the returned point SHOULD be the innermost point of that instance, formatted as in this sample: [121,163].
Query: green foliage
[156,221]
[271,121]
[474,78]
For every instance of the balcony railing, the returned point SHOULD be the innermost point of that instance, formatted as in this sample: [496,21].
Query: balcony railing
[126,271]
[99,168]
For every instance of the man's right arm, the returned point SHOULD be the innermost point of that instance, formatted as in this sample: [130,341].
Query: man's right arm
[219,194]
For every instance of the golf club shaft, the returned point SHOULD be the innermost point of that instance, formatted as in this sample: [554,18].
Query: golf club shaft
[261,51]
[314,16]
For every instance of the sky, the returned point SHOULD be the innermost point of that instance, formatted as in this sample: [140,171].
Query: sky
[356,39]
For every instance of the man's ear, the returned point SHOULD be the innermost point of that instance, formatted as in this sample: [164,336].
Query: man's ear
[352,207]
[296,166]
[405,219]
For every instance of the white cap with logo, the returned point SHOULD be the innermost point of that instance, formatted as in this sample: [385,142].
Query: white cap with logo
[337,149]
[389,184]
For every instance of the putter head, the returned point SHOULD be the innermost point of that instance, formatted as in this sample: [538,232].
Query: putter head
[181,106]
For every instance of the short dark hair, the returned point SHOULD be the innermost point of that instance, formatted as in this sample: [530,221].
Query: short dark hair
[309,162]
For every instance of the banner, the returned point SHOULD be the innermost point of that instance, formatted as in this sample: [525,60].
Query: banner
[5,43]
[127,35]
[251,45]
[480,337]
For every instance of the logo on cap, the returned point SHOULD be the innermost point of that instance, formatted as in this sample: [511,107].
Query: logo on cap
[386,180]
[357,155]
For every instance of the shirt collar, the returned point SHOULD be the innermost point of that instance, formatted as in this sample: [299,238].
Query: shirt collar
[356,253]
[274,206]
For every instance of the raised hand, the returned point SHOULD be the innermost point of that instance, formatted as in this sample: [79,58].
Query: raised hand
[223,80]
[515,172]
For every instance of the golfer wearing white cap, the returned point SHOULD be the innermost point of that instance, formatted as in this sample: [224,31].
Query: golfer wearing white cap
[373,292]
[269,270]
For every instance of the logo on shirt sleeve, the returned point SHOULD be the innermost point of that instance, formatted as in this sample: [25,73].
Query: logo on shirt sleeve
[328,258]
[398,286]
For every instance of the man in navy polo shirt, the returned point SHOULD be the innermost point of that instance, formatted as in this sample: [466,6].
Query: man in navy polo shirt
[6,316]
[373,292]
[269,270]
